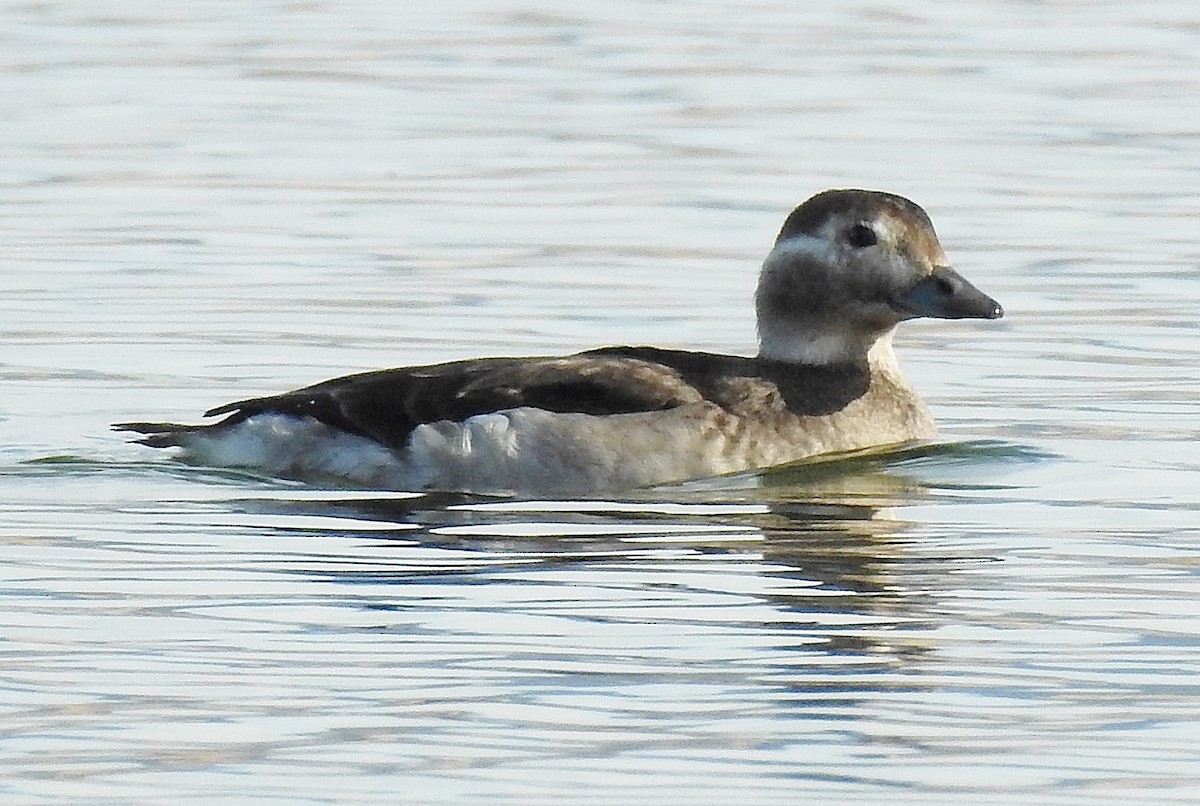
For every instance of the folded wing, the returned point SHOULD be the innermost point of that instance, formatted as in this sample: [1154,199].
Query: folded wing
[387,405]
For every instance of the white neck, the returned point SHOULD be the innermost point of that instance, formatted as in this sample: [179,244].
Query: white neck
[881,356]
[785,344]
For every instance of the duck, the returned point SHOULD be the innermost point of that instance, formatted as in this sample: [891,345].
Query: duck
[847,267]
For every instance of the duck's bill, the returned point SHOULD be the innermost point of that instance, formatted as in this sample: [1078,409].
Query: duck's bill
[944,294]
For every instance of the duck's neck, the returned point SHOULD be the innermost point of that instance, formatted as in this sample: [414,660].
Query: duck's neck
[829,348]
[881,357]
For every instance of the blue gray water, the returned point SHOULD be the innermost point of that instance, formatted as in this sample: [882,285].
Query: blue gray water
[212,200]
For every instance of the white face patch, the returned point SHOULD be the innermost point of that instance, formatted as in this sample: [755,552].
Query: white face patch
[889,231]
[819,250]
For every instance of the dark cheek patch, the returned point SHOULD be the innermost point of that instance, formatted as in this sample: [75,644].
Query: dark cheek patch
[803,292]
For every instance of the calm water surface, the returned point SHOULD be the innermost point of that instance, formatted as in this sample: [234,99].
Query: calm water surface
[233,198]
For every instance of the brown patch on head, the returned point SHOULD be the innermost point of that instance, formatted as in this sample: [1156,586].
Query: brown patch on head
[864,205]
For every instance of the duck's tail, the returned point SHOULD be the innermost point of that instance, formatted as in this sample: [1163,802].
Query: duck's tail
[160,435]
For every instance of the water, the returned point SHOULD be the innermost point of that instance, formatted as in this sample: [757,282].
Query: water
[226,199]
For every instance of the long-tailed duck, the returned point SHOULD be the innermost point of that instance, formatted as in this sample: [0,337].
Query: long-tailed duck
[847,267]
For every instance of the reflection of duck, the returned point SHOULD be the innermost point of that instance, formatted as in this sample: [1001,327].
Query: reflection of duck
[847,267]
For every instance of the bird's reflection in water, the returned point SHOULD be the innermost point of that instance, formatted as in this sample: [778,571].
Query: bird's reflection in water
[828,527]
[811,565]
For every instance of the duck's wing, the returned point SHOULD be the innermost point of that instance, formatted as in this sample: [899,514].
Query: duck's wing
[388,404]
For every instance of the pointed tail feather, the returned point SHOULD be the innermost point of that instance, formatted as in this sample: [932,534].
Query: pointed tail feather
[158,435]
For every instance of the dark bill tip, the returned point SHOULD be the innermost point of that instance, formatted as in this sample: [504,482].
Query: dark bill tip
[945,294]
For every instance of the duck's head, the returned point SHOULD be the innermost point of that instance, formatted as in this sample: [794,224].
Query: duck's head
[847,267]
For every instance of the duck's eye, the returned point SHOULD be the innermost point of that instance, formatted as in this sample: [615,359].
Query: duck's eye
[860,235]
